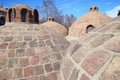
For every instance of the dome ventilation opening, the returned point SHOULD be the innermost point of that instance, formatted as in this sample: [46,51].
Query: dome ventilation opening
[51,19]
[94,8]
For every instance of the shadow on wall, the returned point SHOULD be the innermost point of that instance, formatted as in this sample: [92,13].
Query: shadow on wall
[2,20]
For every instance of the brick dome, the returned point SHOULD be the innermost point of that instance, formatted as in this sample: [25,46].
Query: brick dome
[21,6]
[56,27]
[30,52]
[96,56]
[88,22]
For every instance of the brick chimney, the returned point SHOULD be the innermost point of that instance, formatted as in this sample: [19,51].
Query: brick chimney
[93,8]
[50,19]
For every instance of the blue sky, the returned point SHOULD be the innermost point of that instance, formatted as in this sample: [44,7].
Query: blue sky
[76,7]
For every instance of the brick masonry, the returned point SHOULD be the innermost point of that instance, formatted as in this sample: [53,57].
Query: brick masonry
[34,52]
[18,11]
[93,17]
[97,58]
[56,27]
[31,53]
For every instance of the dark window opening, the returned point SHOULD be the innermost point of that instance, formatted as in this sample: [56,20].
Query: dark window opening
[90,9]
[95,9]
[24,15]
[2,20]
[2,12]
[11,15]
[36,16]
[89,28]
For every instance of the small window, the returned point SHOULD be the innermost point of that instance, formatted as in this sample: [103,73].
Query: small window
[90,9]
[89,28]
[36,16]
[95,9]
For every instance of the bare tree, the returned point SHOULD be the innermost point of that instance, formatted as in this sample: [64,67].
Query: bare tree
[49,9]
[69,20]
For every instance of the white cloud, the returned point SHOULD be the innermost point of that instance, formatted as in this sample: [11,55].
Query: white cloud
[113,13]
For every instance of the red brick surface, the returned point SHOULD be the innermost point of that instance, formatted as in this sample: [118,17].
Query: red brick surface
[67,70]
[84,77]
[48,67]
[80,54]
[29,71]
[6,74]
[95,61]
[24,62]
[113,45]
[31,53]
[100,40]
[74,74]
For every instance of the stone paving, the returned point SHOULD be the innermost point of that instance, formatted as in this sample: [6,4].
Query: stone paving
[96,56]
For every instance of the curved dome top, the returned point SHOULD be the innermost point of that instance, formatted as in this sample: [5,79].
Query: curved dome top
[20,6]
[96,56]
[3,9]
[30,51]
[56,27]
[94,18]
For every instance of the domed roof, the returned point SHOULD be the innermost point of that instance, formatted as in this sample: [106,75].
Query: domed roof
[96,56]
[30,51]
[20,6]
[94,18]
[3,9]
[56,27]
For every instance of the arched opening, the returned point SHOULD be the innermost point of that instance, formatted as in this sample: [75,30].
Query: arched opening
[118,13]
[24,15]
[11,15]
[2,20]
[95,9]
[50,19]
[36,16]
[90,9]
[89,28]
